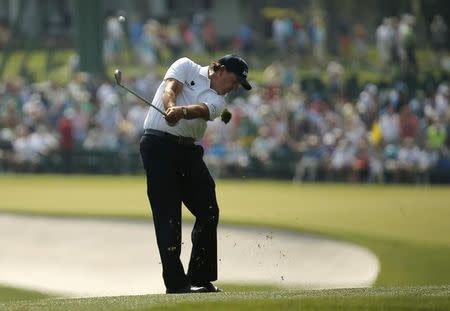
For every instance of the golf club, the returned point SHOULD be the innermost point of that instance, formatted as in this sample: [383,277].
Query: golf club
[118,77]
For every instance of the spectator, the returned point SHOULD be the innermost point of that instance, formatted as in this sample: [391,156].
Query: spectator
[385,41]
[442,100]
[135,30]
[336,75]
[302,40]
[436,135]
[367,104]
[417,105]
[197,46]
[174,39]
[428,158]
[209,36]
[25,159]
[114,46]
[80,118]
[376,169]
[344,40]
[408,160]
[94,139]
[66,136]
[390,126]
[150,44]
[391,163]
[395,53]
[280,34]
[34,110]
[6,150]
[215,155]
[5,32]
[262,147]
[236,159]
[244,39]
[9,114]
[360,162]
[407,39]
[360,44]
[273,74]
[136,116]
[310,161]
[408,123]
[341,160]
[318,35]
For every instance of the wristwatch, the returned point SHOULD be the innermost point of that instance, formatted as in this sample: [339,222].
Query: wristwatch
[184,112]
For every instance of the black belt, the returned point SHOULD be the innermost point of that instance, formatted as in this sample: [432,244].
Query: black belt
[176,139]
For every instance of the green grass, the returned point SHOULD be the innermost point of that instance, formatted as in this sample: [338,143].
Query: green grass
[13,294]
[403,213]
[407,227]
[8,294]
[409,298]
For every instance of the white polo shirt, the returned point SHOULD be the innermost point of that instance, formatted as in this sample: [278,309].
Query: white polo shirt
[196,89]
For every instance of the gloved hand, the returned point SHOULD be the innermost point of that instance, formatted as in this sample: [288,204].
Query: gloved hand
[225,116]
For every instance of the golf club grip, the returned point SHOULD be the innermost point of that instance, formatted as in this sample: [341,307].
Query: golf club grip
[143,99]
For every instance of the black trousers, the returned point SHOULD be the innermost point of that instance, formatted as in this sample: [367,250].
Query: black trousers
[177,174]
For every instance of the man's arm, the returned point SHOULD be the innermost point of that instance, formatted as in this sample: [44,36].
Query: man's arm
[172,88]
[176,113]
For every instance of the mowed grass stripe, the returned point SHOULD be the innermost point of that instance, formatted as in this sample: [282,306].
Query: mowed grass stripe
[410,298]
[74,195]
[419,215]
[412,214]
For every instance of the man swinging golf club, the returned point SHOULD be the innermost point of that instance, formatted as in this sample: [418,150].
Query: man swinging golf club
[190,95]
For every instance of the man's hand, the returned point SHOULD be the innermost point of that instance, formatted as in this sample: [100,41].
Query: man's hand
[174,114]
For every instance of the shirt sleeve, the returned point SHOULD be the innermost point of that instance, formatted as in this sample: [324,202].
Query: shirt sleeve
[180,69]
[215,104]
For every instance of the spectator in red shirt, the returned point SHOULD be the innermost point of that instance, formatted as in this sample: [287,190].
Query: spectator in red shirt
[409,123]
[65,129]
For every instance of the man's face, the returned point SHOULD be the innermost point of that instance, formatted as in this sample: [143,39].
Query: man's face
[226,81]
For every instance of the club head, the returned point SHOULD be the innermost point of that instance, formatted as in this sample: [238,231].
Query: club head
[118,76]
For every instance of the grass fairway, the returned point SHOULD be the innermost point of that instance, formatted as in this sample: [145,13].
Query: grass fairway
[14,294]
[407,227]
[403,213]
[412,298]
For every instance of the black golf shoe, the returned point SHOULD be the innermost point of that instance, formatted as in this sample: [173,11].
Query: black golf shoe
[188,290]
[211,288]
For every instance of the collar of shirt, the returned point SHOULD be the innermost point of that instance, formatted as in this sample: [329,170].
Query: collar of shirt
[204,72]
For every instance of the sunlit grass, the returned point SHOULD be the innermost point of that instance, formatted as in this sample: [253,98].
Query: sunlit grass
[407,227]
[409,298]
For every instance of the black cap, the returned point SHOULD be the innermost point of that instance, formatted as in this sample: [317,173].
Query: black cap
[238,66]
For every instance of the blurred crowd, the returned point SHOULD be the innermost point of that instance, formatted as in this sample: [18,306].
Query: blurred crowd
[320,127]
[37,120]
[301,37]
[396,40]
[388,131]
[149,39]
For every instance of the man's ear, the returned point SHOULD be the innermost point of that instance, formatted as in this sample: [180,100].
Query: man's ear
[216,66]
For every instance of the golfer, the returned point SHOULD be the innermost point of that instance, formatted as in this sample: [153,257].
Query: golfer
[190,95]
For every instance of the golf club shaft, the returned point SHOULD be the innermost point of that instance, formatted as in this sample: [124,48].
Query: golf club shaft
[143,99]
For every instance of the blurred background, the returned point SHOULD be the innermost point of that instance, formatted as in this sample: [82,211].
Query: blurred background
[344,91]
